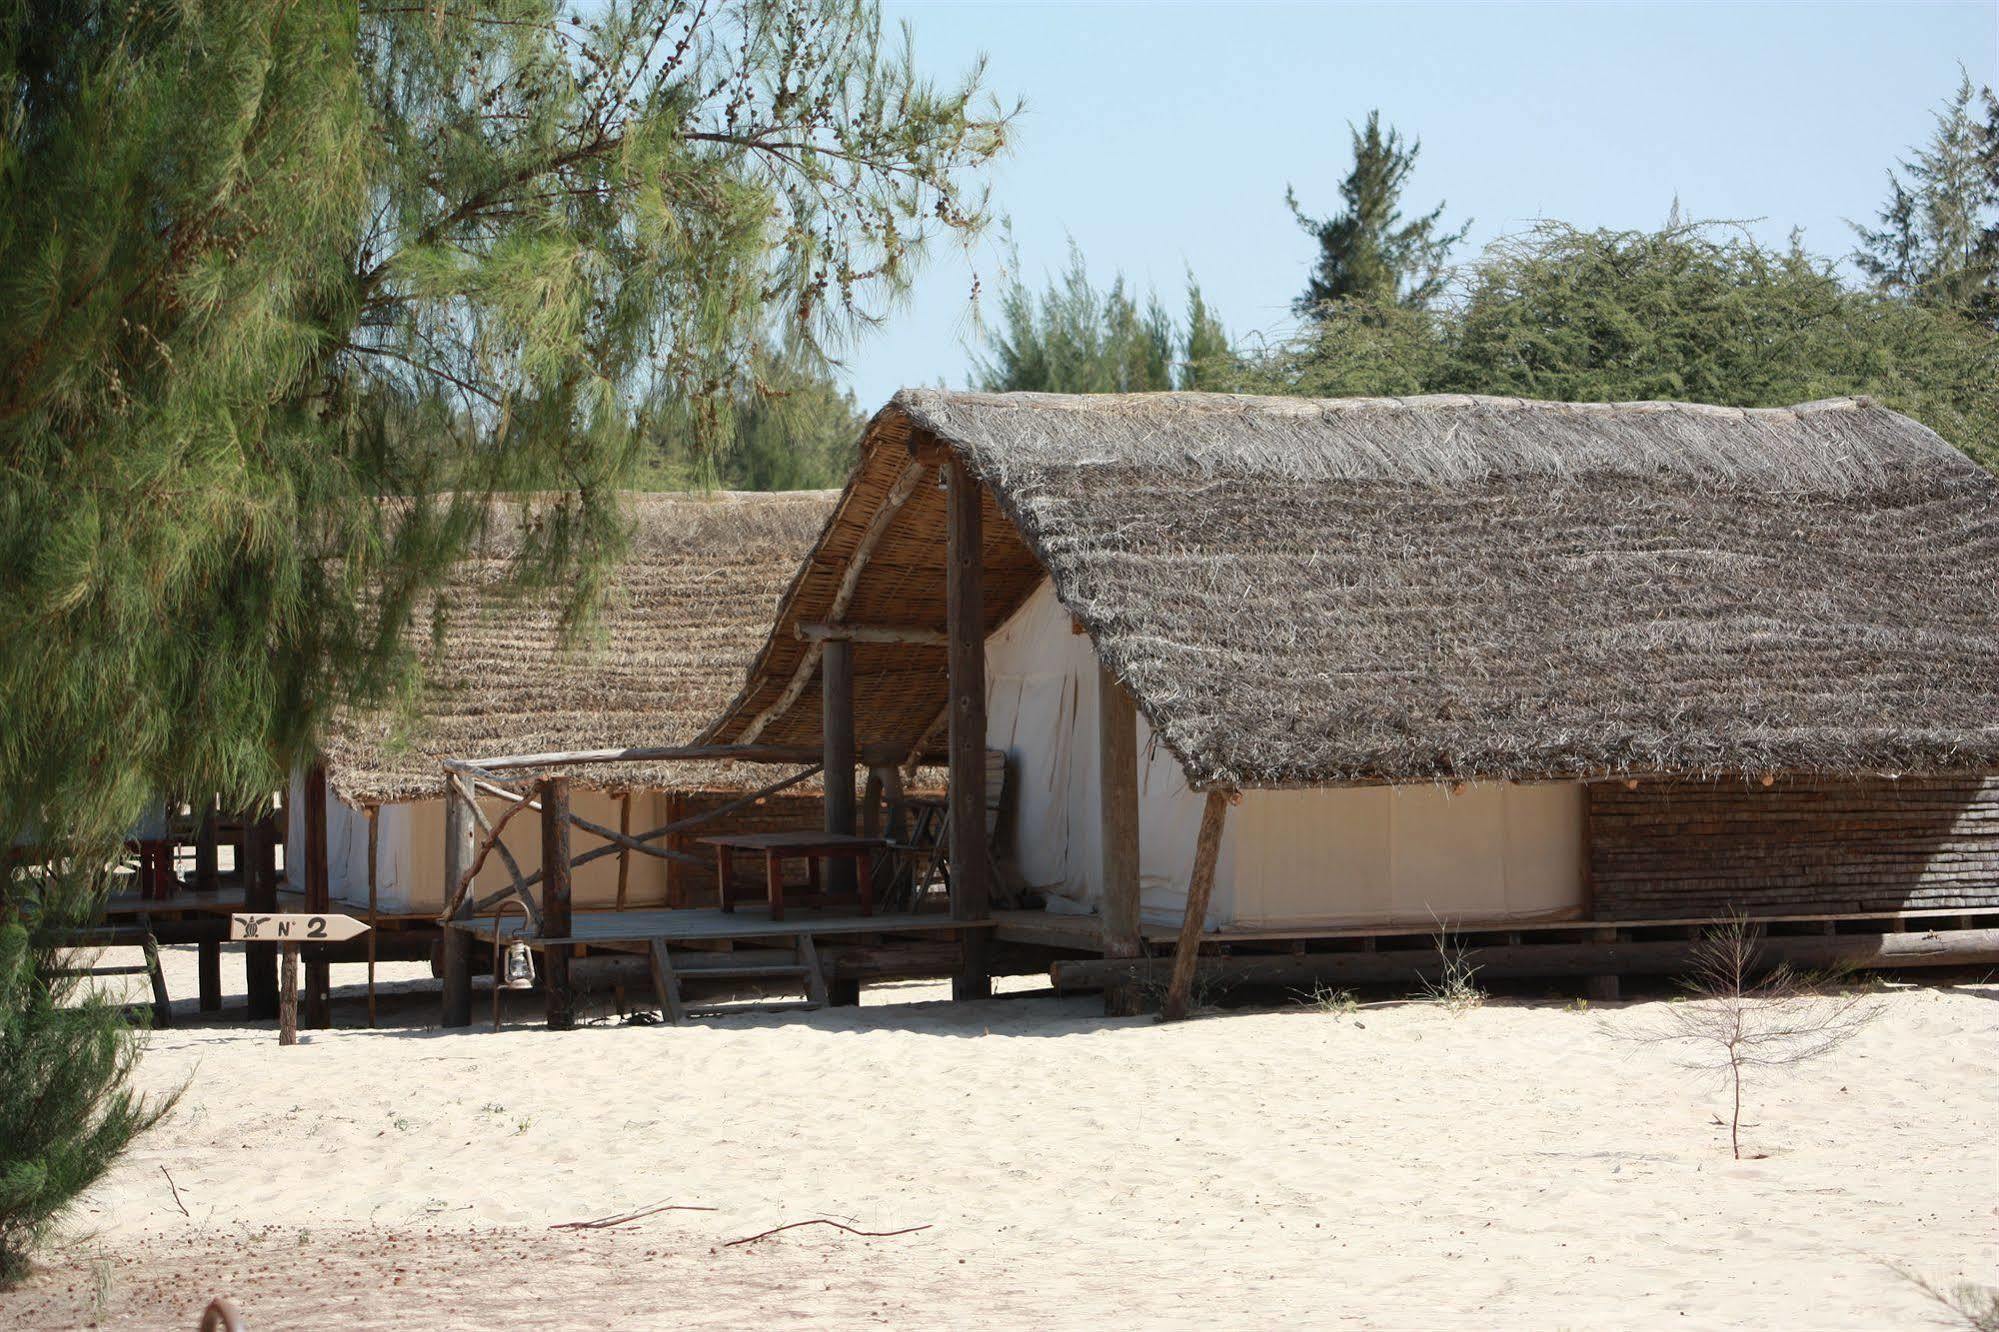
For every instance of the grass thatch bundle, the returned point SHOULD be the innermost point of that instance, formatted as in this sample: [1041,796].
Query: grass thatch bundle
[691,604]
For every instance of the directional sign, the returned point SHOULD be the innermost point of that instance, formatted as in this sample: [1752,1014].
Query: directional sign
[293,927]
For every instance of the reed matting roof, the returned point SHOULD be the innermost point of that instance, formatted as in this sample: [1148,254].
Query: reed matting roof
[689,608]
[1311,592]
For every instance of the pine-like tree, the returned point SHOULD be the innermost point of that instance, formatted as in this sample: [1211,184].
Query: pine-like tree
[288,292]
[1938,238]
[1073,338]
[1367,252]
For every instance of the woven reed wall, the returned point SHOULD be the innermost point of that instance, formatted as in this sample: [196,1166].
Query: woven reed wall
[1799,847]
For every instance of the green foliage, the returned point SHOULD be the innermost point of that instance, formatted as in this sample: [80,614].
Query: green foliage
[1367,252]
[264,266]
[1072,338]
[66,1056]
[290,292]
[1692,313]
[799,431]
[1938,241]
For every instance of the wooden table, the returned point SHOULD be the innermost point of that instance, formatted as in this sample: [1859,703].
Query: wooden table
[812,848]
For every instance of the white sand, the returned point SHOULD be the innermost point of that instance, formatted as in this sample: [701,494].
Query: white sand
[1516,1166]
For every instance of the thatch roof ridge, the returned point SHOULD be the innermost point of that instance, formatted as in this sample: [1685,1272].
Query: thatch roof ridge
[689,608]
[1832,446]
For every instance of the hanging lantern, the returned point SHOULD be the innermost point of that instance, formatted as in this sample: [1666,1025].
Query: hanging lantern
[519,973]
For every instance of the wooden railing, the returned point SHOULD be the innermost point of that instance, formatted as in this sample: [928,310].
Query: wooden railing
[535,782]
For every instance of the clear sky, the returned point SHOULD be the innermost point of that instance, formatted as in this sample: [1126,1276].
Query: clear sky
[1162,136]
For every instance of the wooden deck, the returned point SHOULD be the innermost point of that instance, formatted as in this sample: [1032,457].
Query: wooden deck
[707,924]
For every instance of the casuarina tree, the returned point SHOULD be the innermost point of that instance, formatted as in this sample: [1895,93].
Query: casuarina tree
[290,292]
[1368,251]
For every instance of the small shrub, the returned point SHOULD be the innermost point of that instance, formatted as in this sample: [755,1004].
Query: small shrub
[67,1053]
[1456,986]
[1734,1022]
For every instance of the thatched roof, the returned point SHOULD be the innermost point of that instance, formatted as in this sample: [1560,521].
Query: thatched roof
[1303,592]
[689,609]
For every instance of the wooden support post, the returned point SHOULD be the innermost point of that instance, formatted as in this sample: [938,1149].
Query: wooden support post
[677,893]
[836,729]
[208,964]
[964,598]
[1117,788]
[1180,989]
[288,996]
[206,859]
[561,1001]
[871,803]
[458,855]
[260,894]
[1602,989]
[318,898]
[374,855]
[625,852]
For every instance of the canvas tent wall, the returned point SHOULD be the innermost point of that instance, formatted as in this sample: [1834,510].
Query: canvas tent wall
[690,605]
[1477,603]
[1367,855]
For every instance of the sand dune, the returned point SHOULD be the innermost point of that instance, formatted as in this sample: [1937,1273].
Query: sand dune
[1515,1166]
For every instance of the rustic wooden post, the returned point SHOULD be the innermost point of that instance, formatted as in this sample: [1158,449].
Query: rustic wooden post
[206,859]
[561,1002]
[260,894]
[318,898]
[1206,849]
[624,852]
[208,967]
[457,943]
[964,598]
[1117,788]
[871,803]
[374,846]
[288,996]
[836,729]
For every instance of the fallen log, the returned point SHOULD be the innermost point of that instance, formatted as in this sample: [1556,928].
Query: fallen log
[1663,957]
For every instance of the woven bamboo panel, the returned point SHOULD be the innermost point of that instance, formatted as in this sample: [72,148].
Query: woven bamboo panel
[1801,845]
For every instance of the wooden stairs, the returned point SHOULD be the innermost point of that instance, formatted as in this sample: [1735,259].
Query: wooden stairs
[800,964]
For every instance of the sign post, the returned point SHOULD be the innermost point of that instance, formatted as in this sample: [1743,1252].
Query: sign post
[288,930]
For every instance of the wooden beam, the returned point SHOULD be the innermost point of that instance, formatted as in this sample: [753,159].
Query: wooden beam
[1117,801]
[964,553]
[458,854]
[813,631]
[836,731]
[560,1000]
[318,898]
[1206,849]
[205,847]
[747,753]
[843,596]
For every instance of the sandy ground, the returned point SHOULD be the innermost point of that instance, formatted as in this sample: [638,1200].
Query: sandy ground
[1518,1165]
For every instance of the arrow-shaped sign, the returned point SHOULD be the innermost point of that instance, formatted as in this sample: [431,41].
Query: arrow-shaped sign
[293,927]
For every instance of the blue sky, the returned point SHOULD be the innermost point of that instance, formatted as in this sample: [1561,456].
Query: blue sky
[1162,136]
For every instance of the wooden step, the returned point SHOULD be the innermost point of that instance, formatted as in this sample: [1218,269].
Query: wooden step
[738,973]
[805,1006]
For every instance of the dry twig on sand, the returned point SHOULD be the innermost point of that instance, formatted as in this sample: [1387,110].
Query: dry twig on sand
[821,1221]
[624,1218]
[176,1188]
[1734,1021]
